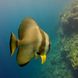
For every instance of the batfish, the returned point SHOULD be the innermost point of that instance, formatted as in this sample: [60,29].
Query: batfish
[32,42]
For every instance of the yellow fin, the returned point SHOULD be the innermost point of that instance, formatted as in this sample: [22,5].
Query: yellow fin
[43,58]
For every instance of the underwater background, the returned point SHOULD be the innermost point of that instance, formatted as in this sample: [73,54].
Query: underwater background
[46,13]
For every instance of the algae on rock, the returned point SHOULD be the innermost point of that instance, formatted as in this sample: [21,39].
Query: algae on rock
[71,49]
[69,34]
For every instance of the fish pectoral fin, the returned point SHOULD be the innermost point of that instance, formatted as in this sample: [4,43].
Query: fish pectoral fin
[36,56]
[43,58]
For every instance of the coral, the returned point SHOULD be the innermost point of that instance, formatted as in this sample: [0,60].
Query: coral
[69,20]
[71,49]
[69,34]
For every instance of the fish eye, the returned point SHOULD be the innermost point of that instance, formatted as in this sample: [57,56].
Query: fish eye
[38,53]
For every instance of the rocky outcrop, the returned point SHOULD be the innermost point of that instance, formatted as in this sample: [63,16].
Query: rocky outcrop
[69,34]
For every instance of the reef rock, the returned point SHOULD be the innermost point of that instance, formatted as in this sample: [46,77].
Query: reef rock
[69,34]
[69,20]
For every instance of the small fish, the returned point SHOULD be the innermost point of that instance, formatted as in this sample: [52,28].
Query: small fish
[32,42]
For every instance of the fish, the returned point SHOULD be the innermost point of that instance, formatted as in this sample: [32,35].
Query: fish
[32,42]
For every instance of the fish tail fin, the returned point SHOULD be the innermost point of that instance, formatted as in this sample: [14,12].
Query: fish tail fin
[13,43]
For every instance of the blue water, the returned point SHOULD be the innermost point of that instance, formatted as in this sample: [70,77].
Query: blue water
[12,12]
